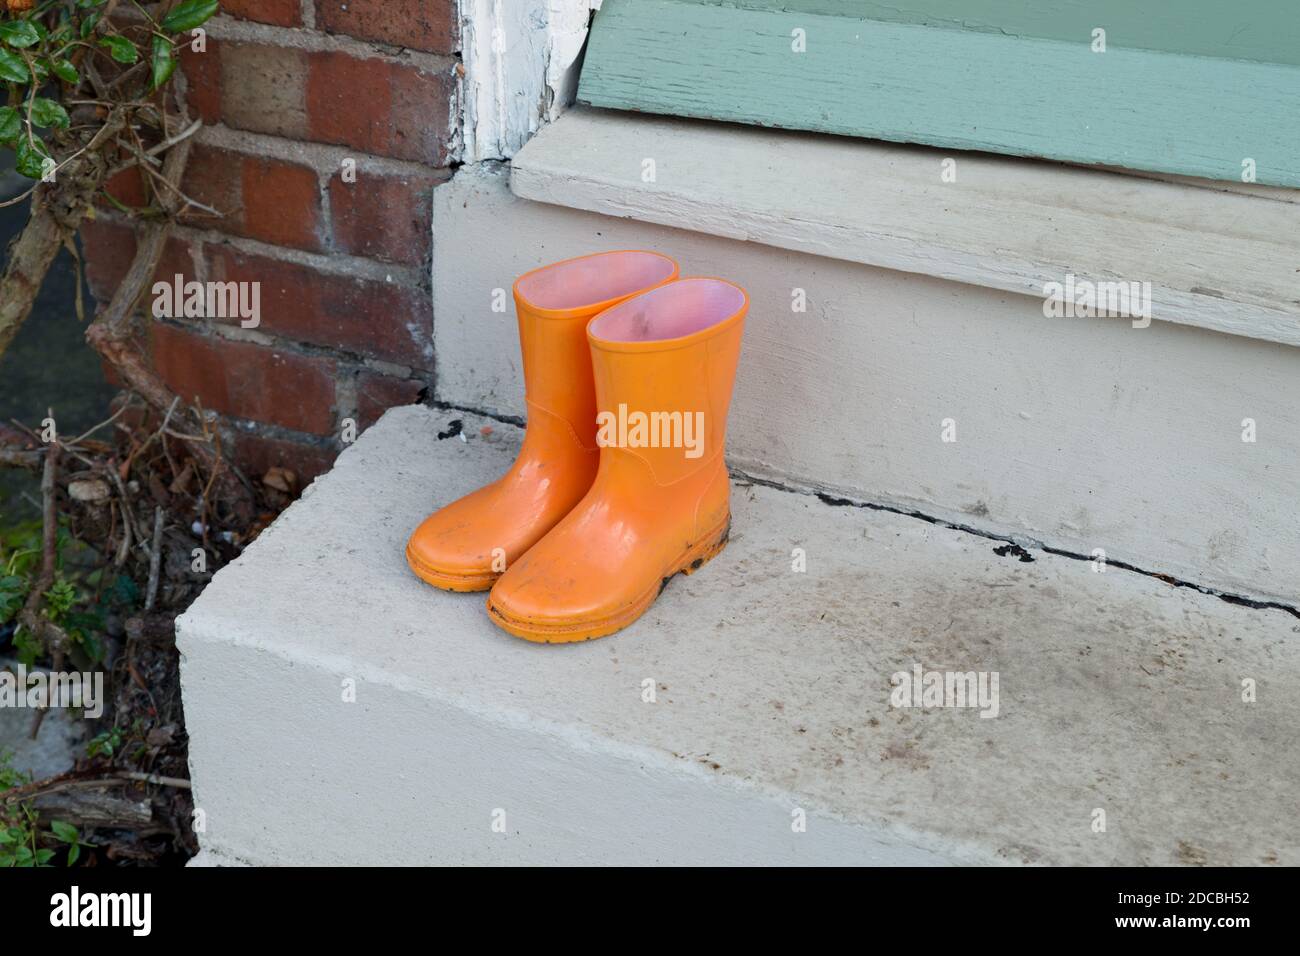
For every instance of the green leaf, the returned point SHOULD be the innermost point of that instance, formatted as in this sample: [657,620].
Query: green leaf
[189,15]
[30,159]
[88,25]
[12,68]
[24,856]
[28,647]
[120,48]
[94,646]
[65,71]
[43,857]
[61,596]
[74,853]
[46,113]
[6,837]
[11,127]
[64,831]
[164,62]
[19,33]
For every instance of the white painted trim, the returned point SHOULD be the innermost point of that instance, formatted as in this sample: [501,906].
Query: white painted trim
[1221,260]
[520,70]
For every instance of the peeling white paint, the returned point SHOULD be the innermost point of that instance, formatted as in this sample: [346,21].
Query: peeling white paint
[520,70]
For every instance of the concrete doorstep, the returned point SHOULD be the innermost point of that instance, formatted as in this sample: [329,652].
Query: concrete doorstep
[341,711]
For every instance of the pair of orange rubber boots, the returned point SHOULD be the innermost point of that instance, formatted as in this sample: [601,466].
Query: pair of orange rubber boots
[620,482]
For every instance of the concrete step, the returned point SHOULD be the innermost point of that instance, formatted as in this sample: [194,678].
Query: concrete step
[341,711]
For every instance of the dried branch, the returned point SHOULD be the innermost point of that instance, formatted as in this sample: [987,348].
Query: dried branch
[111,332]
[155,561]
[57,211]
[30,258]
[30,615]
[52,637]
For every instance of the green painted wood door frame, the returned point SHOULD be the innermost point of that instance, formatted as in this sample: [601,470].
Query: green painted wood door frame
[1197,87]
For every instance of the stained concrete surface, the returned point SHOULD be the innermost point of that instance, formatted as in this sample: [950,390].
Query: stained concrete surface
[1122,735]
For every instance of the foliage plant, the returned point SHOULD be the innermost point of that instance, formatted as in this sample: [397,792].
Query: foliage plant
[86,90]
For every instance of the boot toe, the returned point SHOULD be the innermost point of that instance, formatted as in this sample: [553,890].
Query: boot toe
[552,602]
[453,548]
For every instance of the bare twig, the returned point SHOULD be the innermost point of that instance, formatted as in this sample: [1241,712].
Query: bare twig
[155,560]
[155,779]
[171,410]
[50,529]
[124,549]
[86,780]
[46,631]
[104,424]
[19,198]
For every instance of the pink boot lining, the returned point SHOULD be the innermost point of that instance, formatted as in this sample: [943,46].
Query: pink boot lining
[672,311]
[591,280]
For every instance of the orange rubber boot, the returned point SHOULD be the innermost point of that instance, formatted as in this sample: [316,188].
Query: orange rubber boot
[664,364]
[466,545]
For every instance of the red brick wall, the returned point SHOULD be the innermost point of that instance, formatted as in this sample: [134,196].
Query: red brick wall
[290,91]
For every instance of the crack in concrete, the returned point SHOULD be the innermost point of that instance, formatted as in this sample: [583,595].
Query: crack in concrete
[495,416]
[1018,542]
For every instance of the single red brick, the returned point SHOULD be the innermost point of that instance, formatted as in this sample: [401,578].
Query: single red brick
[384,217]
[178,259]
[259,197]
[203,76]
[214,177]
[282,203]
[257,454]
[377,393]
[379,106]
[127,187]
[418,24]
[267,385]
[421,106]
[281,13]
[374,319]
[108,249]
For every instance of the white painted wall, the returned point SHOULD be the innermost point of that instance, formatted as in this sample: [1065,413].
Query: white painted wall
[1081,433]
[520,59]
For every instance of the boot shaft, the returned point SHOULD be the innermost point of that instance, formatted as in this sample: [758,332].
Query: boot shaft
[664,364]
[553,305]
